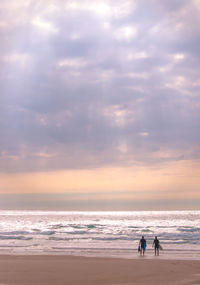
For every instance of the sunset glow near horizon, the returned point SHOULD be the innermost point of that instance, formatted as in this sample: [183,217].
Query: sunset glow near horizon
[100,105]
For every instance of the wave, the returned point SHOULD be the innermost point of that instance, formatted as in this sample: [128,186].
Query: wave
[58,226]
[15,237]
[47,233]
[94,238]
[95,248]
[65,238]
[2,246]
[189,229]
[77,232]
[176,242]
[17,233]
[76,226]
[115,238]
[146,231]
[91,226]
[14,233]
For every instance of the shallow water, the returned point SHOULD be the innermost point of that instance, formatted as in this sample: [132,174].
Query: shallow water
[114,234]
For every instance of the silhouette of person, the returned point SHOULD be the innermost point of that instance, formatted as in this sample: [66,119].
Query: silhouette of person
[156,245]
[143,245]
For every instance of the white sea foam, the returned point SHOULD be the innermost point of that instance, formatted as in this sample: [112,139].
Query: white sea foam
[100,233]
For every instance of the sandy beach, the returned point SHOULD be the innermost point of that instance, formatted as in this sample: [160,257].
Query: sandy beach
[96,271]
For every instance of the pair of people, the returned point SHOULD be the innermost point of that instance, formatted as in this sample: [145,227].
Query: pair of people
[143,245]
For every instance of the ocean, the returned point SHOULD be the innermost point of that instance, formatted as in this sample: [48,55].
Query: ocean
[106,234]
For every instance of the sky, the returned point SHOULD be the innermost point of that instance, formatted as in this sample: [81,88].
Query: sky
[100,104]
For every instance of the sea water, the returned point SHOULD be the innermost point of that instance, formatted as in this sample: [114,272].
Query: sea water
[110,234]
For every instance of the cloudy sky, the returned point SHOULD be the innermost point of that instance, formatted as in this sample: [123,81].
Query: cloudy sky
[100,104]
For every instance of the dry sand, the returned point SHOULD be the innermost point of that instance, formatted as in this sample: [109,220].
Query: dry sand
[72,270]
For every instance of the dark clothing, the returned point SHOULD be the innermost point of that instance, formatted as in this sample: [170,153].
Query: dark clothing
[156,243]
[143,243]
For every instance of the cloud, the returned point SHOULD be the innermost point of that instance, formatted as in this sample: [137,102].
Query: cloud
[90,85]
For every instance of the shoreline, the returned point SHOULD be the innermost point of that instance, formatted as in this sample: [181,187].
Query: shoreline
[174,256]
[79,270]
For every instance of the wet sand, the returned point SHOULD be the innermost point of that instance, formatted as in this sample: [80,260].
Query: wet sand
[42,270]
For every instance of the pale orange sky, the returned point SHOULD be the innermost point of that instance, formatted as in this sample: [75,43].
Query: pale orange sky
[177,181]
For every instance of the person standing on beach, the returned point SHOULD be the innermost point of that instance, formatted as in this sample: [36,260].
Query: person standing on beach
[156,245]
[143,245]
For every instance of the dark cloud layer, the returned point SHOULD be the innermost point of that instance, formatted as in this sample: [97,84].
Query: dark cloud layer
[90,83]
